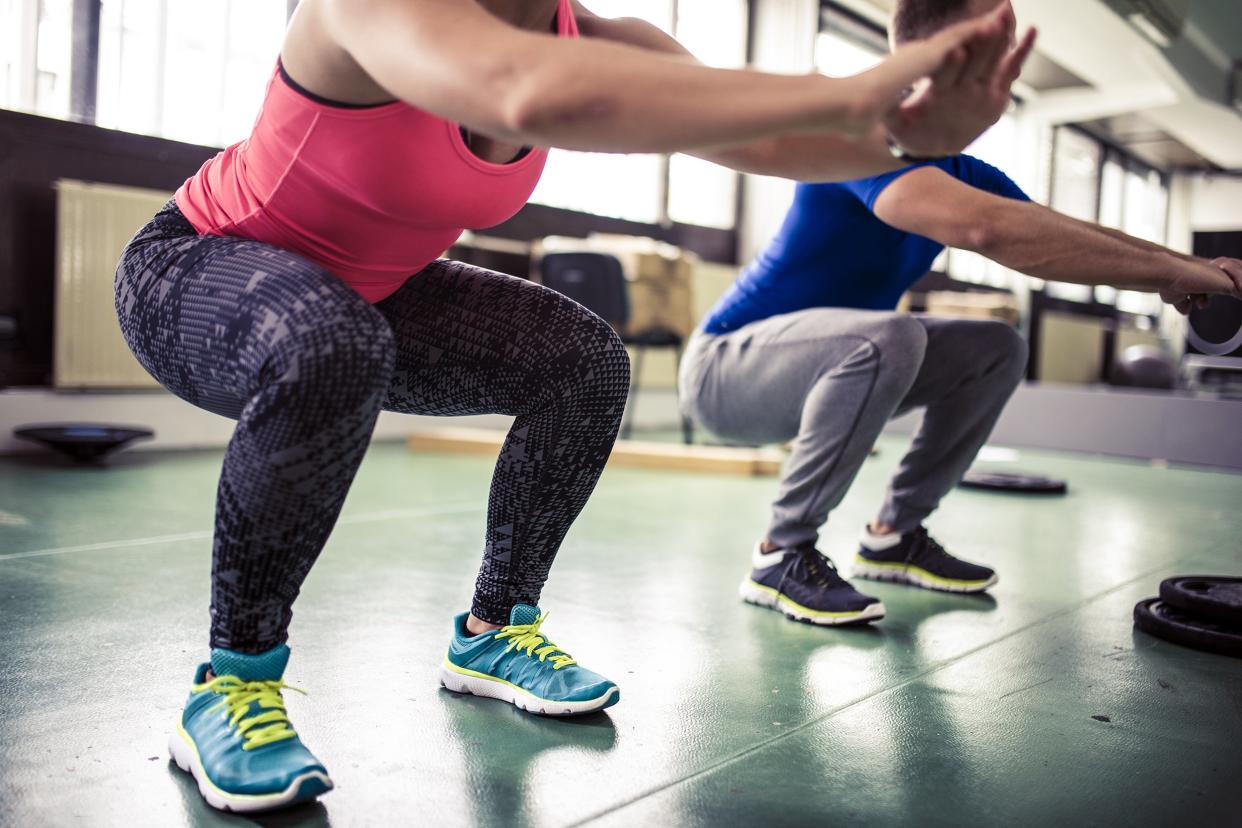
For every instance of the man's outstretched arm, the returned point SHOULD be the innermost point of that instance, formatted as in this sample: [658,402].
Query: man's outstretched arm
[1041,242]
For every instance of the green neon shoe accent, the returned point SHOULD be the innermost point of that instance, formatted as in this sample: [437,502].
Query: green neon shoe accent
[931,576]
[786,601]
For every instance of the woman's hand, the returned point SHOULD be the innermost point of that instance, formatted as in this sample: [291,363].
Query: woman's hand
[940,94]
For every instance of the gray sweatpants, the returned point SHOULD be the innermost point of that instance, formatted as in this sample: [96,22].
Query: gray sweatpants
[830,378]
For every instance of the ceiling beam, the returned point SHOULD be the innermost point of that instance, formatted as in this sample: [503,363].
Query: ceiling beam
[1068,106]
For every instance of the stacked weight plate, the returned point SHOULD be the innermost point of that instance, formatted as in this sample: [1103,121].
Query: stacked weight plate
[1012,482]
[1200,611]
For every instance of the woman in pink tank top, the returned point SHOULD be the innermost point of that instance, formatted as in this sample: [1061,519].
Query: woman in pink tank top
[293,285]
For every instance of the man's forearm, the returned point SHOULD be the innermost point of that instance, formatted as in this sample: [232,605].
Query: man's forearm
[1142,244]
[1045,244]
[811,158]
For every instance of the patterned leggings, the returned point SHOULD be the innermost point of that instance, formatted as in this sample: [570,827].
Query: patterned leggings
[304,364]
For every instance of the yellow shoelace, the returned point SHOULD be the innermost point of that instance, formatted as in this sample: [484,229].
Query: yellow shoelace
[527,638]
[263,728]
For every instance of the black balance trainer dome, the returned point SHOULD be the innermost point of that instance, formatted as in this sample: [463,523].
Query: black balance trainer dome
[84,442]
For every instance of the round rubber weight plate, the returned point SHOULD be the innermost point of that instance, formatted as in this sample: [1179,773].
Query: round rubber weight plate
[1205,596]
[1157,618]
[1012,482]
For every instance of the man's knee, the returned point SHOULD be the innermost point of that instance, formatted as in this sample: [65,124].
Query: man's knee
[1010,349]
[901,343]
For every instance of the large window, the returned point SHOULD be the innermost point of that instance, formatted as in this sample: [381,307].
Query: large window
[1076,175]
[190,71]
[652,188]
[1134,198]
[35,56]
[839,56]
[193,72]
[700,192]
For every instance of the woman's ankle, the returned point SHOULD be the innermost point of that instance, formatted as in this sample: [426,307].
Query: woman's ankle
[477,626]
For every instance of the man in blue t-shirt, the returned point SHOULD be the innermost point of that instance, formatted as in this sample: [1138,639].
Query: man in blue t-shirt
[806,347]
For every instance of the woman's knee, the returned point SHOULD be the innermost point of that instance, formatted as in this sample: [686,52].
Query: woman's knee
[595,363]
[606,359]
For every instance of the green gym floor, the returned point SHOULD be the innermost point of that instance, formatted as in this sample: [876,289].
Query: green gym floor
[1036,705]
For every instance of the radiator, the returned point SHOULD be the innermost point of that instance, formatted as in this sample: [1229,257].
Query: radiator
[93,223]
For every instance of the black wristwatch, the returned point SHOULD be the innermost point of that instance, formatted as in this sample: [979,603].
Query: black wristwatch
[899,152]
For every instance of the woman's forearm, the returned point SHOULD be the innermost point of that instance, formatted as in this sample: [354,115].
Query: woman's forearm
[615,98]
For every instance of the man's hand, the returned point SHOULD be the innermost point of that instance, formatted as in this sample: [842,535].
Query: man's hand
[967,92]
[1233,268]
[1184,302]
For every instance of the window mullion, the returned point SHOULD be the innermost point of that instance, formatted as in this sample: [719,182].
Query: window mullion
[28,68]
[224,63]
[666,159]
[161,67]
[84,60]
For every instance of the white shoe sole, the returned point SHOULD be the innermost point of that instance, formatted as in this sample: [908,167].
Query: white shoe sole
[479,685]
[185,754]
[899,574]
[761,596]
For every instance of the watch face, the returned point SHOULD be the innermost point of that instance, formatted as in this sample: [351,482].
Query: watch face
[1217,329]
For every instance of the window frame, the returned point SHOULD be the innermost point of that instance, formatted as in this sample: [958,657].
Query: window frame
[664,180]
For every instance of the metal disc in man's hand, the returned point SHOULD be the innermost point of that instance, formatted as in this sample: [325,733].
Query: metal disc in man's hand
[1157,618]
[1217,329]
[1013,482]
[1206,596]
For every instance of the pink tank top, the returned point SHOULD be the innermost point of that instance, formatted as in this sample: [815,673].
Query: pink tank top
[372,194]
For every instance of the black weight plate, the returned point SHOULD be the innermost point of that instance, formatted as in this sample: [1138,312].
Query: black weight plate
[1012,482]
[1205,596]
[1157,618]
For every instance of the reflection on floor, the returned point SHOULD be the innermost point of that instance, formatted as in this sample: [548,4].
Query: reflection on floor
[953,710]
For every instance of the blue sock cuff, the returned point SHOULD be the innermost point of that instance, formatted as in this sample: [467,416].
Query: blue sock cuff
[266,666]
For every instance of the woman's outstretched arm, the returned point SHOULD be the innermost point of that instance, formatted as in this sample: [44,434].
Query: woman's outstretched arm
[960,113]
[455,59]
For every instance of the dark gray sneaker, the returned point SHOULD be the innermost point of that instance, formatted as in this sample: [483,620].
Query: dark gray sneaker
[919,560]
[804,585]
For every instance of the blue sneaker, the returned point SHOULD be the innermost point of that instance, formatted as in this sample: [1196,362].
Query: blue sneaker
[235,739]
[518,664]
[804,585]
[916,558]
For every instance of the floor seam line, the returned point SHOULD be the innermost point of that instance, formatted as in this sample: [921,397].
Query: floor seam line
[365,517]
[729,760]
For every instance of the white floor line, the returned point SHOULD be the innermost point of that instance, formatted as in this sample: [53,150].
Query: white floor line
[364,517]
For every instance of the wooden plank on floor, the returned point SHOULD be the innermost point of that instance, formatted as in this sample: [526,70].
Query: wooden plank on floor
[755,462]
